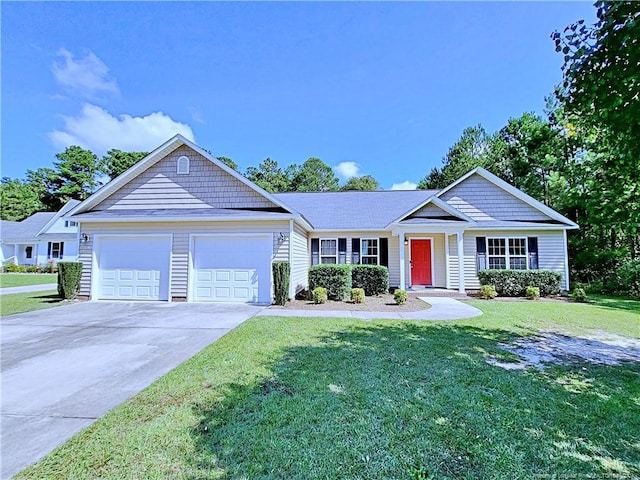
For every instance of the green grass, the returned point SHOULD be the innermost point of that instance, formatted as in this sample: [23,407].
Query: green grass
[24,279]
[26,302]
[296,398]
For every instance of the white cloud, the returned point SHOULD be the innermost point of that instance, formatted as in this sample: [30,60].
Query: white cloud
[346,170]
[87,77]
[97,130]
[406,185]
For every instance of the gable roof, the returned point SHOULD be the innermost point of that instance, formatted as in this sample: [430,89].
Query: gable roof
[354,210]
[433,200]
[66,208]
[155,156]
[513,191]
[28,228]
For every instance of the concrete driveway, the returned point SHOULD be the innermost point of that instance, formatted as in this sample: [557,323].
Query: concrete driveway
[64,367]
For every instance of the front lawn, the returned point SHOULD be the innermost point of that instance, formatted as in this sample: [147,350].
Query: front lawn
[24,279]
[301,398]
[26,302]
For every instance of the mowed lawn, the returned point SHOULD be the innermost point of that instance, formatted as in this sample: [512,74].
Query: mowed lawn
[294,398]
[13,303]
[24,279]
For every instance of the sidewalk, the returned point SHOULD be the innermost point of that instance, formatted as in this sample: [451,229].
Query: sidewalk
[29,288]
[442,308]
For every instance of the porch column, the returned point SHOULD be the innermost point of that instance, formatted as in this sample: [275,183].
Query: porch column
[460,262]
[447,259]
[402,272]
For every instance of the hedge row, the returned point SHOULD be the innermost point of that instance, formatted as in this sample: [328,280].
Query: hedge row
[69,274]
[514,283]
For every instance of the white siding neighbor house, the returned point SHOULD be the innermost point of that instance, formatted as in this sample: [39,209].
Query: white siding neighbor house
[182,226]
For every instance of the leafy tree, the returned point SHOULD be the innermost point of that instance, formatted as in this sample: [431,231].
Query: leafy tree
[44,182]
[366,182]
[18,200]
[314,176]
[115,162]
[269,176]
[228,162]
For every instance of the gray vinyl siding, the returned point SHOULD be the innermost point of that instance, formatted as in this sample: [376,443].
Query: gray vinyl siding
[431,211]
[301,260]
[181,243]
[206,186]
[480,199]
[550,253]
[439,259]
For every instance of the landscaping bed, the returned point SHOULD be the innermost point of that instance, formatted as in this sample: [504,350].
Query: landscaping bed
[377,303]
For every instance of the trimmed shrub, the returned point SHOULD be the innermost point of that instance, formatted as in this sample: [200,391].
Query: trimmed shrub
[400,296]
[625,280]
[533,293]
[579,295]
[514,283]
[335,278]
[281,273]
[374,279]
[357,295]
[319,295]
[13,268]
[32,269]
[488,292]
[69,279]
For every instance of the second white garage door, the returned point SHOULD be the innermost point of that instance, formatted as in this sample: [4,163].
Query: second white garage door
[232,269]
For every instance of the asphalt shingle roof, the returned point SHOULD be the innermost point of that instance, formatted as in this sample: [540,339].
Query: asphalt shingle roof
[354,210]
[26,229]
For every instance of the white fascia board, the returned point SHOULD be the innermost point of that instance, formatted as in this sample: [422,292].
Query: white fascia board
[497,181]
[351,230]
[306,224]
[527,228]
[181,219]
[438,203]
[411,230]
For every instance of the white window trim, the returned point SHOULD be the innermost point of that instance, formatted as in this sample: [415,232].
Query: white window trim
[183,161]
[59,249]
[507,256]
[321,256]
[363,255]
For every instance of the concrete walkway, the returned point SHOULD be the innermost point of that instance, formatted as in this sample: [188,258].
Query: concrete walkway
[29,288]
[442,308]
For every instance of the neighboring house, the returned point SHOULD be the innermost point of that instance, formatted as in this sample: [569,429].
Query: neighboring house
[42,237]
[182,226]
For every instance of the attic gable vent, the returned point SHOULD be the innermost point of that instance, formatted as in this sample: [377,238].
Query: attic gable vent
[183,165]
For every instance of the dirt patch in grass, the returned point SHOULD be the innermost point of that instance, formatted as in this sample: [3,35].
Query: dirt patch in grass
[552,348]
[378,303]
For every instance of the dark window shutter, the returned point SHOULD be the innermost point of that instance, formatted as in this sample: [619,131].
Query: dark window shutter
[355,251]
[384,252]
[342,250]
[532,247]
[49,250]
[315,251]
[61,250]
[481,253]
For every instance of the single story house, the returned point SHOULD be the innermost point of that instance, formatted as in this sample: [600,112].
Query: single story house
[182,226]
[40,238]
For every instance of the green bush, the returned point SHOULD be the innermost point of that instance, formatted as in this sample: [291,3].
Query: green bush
[374,279]
[32,269]
[625,280]
[69,279]
[335,278]
[400,296]
[514,283]
[281,273]
[49,267]
[13,268]
[357,295]
[319,295]
[579,295]
[488,292]
[533,293]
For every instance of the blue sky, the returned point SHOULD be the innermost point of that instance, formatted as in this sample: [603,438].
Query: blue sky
[371,88]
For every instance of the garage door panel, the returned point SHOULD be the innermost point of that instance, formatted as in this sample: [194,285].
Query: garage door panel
[134,268]
[234,269]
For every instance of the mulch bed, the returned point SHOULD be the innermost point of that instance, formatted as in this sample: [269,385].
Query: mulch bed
[379,303]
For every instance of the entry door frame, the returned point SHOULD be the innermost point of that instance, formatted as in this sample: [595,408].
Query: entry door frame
[411,240]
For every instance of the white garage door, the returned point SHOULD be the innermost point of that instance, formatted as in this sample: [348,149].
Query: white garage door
[133,268]
[232,269]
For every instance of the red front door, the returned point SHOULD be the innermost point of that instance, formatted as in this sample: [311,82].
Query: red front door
[421,262]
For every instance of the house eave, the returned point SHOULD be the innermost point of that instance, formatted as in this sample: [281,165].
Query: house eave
[86,218]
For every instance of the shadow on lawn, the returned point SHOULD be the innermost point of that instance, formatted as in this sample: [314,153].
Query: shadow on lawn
[50,298]
[418,401]
[617,303]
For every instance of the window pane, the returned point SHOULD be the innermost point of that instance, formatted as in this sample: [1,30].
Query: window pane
[328,260]
[497,246]
[497,263]
[369,260]
[328,247]
[517,246]
[518,263]
[370,247]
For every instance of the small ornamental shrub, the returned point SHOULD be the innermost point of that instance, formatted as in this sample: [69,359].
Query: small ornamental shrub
[514,283]
[49,267]
[625,280]
[488,292]
[281,273]
[374,279]
[32,269]
[69,279]
[319,295]
[533,293]
[357,295]
[400,296]
[13,268]
[335,278]
[579,295]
